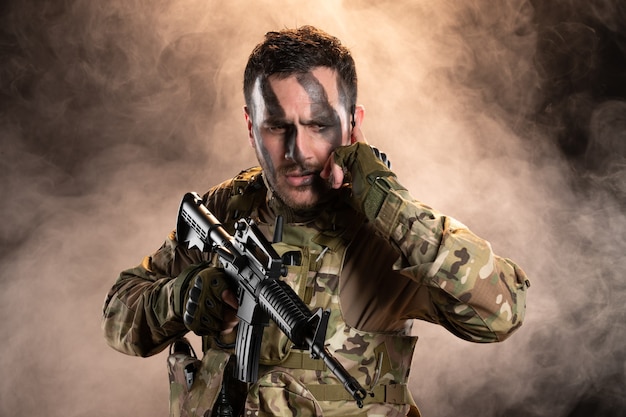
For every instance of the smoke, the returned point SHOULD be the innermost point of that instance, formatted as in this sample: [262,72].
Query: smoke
[507,115]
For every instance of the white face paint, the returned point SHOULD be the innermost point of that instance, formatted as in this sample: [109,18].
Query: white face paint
[296,122]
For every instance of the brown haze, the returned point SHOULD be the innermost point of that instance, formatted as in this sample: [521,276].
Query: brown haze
[508,115]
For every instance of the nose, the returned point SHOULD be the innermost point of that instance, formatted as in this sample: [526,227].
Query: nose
[297,147]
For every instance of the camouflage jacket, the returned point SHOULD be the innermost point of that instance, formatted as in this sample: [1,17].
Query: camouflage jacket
[375,275]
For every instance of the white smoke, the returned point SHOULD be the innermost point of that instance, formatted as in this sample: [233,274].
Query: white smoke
[111,112]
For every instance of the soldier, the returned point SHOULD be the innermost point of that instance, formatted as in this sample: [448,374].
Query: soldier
[357,243]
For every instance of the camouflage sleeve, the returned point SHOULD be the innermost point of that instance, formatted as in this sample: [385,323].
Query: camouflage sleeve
[138,314]
[138,317]
[479,296]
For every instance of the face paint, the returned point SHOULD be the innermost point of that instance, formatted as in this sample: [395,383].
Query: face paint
[344,98]
[295,128]
[269,109]
[322,112]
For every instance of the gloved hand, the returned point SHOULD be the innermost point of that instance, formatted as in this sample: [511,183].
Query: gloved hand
[204,299]
[371,175]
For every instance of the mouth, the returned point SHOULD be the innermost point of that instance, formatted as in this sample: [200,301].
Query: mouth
[300,178]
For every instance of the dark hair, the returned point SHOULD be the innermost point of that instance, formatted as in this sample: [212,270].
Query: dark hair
[292,51]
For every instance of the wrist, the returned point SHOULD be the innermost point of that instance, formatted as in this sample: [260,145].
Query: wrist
[381,184]
[181,286]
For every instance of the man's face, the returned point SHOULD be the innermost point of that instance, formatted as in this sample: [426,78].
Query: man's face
[294,124]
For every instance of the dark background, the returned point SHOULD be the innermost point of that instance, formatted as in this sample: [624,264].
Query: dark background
[508,115]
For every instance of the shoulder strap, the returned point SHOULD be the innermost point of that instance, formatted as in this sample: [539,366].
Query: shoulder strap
[248,192]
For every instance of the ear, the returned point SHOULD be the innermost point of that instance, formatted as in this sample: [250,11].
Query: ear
[248,118]
[359,115]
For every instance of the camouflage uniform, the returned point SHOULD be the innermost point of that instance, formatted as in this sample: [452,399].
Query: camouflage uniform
[375,276]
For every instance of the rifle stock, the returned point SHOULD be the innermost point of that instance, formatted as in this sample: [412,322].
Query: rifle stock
[252,262]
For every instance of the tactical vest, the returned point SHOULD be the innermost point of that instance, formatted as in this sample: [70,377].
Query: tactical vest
[288,378]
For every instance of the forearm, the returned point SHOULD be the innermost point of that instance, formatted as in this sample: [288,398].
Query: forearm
[138,317]
[480,296]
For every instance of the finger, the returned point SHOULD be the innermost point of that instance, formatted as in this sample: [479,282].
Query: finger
[229,312]
[336,176]
[229,298]
[325,173]
[229,320]
[332,173]
[357,135]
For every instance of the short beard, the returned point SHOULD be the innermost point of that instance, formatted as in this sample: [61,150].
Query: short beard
[318,191]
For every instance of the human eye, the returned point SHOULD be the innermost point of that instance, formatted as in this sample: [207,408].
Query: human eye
[276,129]
[318,127]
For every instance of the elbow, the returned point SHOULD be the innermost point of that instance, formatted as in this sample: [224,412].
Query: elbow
[507,315]
[482,325]
[506,322]
[121,341]
[483,333]
[127,337]
[118,334]
[503,331]
[502,336]
[117,338]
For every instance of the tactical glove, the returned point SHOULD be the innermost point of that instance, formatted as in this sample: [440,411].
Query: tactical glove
[198,298]
[371,175]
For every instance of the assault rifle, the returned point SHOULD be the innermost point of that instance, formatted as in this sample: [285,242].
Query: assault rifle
[252,262]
